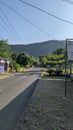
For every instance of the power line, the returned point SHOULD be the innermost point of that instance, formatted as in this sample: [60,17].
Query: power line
[42,30]
[7,26]
[68,1]
[35,7]
[6,30]
[11,25]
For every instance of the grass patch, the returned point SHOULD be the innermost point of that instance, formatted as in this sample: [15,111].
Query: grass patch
[2,76]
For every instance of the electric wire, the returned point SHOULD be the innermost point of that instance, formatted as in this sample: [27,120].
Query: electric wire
[68,1]
[6,25]
[35,7]
[6,30]
[13,10]
[12,28]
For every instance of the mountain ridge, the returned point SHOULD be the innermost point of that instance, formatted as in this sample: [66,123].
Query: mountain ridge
[40,48]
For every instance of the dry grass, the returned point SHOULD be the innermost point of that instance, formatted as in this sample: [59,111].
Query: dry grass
[2,76]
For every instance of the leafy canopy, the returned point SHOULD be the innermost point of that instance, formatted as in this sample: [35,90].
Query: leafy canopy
[4,49]
[56,58]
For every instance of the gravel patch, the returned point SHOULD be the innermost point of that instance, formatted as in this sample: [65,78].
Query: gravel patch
[48,109]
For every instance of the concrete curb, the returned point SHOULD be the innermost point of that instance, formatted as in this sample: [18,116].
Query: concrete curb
[30,95]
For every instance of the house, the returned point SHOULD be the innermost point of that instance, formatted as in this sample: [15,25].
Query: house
[2,64]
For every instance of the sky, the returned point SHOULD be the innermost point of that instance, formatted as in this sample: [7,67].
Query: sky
[34,26]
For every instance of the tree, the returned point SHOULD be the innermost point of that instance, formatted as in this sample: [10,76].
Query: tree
[59,51]
[56,58]
[14,56]
[23,59]
[4,49]
[31,60]
[14,66]
[43,61]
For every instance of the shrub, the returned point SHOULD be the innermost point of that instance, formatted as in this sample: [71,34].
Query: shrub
[51,71]
[58,72]
[14,66]
[20,69]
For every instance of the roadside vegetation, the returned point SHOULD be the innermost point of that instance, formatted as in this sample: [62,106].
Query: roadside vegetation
[53,63]
[18,61]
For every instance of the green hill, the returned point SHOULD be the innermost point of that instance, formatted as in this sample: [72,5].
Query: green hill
[38,49]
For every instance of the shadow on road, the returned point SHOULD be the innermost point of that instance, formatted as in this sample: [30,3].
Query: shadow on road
[11,113]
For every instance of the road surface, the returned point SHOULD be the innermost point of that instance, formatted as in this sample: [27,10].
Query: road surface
[14,94]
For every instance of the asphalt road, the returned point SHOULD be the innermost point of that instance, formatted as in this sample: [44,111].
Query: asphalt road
[14,95]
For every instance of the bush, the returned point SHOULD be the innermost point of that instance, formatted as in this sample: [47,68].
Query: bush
[20,69]
[51,71]
[14,66]
[58,72]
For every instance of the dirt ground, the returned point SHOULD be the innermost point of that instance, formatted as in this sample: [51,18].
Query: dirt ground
[48,109]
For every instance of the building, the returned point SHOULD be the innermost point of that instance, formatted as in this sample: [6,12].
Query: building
[2,64]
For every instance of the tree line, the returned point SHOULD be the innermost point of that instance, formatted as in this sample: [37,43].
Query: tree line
[56,58]
[17,60]
[21,60]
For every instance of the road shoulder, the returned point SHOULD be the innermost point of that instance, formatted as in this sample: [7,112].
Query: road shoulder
[48,108]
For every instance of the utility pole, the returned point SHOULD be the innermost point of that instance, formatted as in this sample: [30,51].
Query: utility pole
[66,69]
